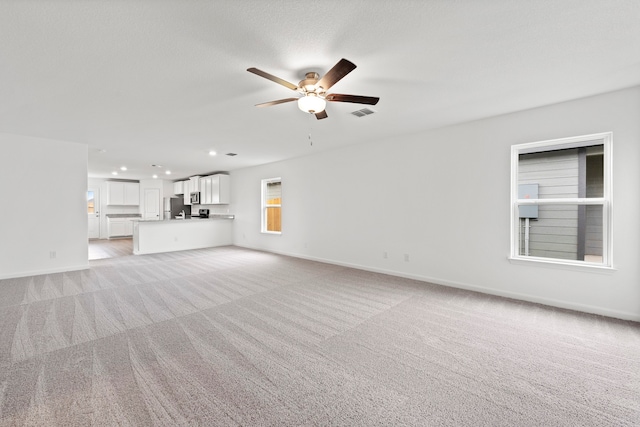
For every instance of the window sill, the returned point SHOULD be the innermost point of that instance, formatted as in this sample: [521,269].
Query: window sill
[277,233]
[563,265]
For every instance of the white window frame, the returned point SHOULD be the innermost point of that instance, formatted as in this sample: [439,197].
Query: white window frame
[263,216]
[606,139]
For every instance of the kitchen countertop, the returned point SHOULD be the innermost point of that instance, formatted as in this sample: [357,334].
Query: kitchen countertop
[190,219]
[216,216]
[123,215]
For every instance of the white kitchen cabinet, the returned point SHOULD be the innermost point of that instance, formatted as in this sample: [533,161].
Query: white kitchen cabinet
[120,227]
[220,189]
[116,228]
[187,192]
[120,193]
[178,187]
[128,227]
[194,184]
[115,193]
[190,185]
[215,190]
[131,194]
[205,190]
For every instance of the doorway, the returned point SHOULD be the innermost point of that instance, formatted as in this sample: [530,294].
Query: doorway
[93,213]
[110,248]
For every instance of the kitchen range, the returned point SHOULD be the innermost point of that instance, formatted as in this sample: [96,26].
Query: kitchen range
[202,214]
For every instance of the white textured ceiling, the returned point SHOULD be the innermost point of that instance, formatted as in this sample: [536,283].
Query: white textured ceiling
[163,82]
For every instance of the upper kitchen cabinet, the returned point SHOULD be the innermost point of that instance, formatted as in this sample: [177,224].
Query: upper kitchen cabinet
[120,193]
[215,190]
[205,190]
[220,189]
[189,186]
[194,184]
[178,188]
[131,193]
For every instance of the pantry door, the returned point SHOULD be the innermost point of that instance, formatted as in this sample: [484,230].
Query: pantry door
[152,203]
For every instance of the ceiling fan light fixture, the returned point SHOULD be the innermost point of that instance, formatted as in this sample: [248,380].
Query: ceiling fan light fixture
[311,103]
[314,89]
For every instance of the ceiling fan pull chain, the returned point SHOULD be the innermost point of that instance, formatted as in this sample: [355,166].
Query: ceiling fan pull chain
[310,130]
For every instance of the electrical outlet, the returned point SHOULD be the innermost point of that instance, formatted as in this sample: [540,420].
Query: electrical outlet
[406,257]
[385,255]
[52,255]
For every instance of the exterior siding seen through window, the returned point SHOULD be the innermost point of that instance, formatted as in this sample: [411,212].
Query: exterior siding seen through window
[562,200]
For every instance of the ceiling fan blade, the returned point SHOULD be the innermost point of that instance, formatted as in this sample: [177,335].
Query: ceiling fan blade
[272,78]
[341,69]
[356,99]
[321,115]
[279,101]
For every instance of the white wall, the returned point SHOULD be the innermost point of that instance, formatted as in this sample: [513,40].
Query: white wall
[442,197]
[50,178]
[167,189]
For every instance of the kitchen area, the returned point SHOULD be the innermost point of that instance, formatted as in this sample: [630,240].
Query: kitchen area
[153,216]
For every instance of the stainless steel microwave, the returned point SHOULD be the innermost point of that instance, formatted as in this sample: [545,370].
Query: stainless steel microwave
[195,198]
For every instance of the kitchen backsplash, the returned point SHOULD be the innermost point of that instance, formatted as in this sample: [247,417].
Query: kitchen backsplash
[213,209]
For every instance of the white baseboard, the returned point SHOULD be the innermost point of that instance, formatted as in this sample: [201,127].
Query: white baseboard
[46,271]
[482,289]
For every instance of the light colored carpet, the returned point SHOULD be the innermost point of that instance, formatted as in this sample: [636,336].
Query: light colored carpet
[233,337]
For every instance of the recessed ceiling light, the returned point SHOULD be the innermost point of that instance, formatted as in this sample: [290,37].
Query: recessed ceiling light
[155,176]
[123,168]
[212,153]
[114,173]
[168,172]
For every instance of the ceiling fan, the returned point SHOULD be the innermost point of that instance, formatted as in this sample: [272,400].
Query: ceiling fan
[314,89]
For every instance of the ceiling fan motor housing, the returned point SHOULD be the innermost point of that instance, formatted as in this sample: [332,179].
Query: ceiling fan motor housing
[308,85]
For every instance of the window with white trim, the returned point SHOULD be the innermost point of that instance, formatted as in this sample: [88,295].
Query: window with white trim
[272,205]
[561,201]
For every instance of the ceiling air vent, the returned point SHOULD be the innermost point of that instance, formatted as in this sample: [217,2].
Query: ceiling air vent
[231,154]
[363,112]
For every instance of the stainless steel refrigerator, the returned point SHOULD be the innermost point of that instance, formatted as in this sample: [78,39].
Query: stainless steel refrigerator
[173,206]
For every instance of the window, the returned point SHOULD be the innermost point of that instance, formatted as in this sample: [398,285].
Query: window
[91,202]
[561,201]
[271,205]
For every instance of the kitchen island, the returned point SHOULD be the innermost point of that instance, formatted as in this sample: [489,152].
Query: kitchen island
[150,237]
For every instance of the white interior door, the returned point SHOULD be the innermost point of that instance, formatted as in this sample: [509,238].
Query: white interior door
[93,212]
[151,203]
